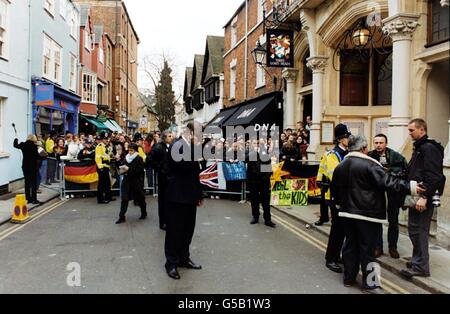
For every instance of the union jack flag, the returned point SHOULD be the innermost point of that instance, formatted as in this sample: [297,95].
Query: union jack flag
[210,177]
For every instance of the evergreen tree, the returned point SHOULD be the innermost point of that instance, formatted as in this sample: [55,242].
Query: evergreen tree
[165,99]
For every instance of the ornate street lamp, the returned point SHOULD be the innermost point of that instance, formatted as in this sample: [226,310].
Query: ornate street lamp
[259,54]
[361,36]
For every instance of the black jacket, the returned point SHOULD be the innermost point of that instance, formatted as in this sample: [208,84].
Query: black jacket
[396,162]
[90,154]
[183,181]
[254,167]
[158,158]
[133,180]
[30,153]
[359,185]
[426,166]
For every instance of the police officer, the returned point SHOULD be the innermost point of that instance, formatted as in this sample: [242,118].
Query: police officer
[330,160]
[102,159]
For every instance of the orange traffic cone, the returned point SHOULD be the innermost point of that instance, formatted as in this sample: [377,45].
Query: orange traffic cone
[20,213]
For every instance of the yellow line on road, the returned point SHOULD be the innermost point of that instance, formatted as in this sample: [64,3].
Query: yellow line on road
[388,285]
[14,229]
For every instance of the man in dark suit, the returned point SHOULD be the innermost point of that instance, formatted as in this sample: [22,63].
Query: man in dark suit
[157,159]
[183,196]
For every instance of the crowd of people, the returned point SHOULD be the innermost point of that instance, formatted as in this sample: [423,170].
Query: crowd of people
[353,181]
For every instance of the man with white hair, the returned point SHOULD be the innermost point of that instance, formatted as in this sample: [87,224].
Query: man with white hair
[358,191]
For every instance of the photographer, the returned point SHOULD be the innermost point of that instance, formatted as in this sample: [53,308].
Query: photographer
[395,164]
[426,166]
[88,151]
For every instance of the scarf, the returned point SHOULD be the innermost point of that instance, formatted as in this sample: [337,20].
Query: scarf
[130,158]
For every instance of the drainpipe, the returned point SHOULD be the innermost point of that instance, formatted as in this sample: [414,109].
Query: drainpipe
[30,89]
[246,51]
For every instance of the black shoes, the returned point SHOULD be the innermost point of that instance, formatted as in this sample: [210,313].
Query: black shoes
[163,227]
[172,272]
[409,273]
[254,221]
[334,267]
[394,253]
[349,283]
[120,221]
[36,203]
[377,253]
[270,224]
[103,202]
[143,216]
[190,265]
[321,222]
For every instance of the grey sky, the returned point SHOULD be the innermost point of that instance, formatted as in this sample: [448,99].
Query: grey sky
[178,28]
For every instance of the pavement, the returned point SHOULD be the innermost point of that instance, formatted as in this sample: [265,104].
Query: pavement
[7,204]
[237,258]
[439,282]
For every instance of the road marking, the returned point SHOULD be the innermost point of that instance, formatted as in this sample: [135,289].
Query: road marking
[388,285]
[6,233]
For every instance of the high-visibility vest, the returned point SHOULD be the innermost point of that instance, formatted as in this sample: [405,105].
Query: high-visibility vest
[330,160]
[102,159]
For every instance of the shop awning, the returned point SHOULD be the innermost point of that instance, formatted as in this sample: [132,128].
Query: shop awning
[116,125]
[110,126]
[222,117]
[266,110]
[99,125]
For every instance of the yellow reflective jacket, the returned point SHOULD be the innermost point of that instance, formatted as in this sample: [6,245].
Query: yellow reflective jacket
[142,154]
[330,160]
[102,159]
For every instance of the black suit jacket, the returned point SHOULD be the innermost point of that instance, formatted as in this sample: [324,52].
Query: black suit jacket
[30,153]
[183,181]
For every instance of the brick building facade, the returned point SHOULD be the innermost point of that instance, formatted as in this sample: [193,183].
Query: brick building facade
[114,17]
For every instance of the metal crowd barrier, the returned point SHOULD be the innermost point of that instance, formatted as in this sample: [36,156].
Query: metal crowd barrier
[64,192]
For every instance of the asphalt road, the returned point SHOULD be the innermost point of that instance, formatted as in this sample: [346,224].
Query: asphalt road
[237,258]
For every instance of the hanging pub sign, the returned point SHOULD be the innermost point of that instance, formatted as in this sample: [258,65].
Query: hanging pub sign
[280,48]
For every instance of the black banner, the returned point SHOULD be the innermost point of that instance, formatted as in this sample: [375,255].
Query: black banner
[280,48]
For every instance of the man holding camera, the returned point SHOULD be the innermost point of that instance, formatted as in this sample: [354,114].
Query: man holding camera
[426,166]
[395,164]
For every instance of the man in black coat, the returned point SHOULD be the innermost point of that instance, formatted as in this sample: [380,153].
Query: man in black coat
[258,180]
[158,160]
[358,192]
[426,166]
[133,183]
[395,164]
[183,197]
[30,162]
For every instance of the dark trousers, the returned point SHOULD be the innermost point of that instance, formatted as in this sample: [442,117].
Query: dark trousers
[357,250]
[336,238]
[419,231]
[260,194]
[180,230]
[104,185]
[30,176]
[162,203]
[323,208]
[393,229]
[140,201]
[51,170]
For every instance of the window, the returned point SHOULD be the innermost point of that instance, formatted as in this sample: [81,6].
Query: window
[3,28]
[438,22]
[101,56]
[307,72]
[234,32]
[233,79]
[63,8]
[49,6]
[87,40]
[354,80]
[52,60]
[73,25]
[217,88]
[73,73]
[261,4]
[358,73]
[2,103]
[89,88]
